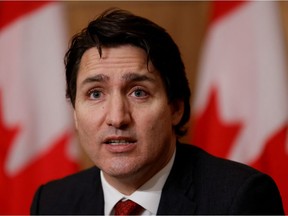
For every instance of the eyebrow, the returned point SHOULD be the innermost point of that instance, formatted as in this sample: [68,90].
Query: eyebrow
[95,78]
[135,77]
[129,77]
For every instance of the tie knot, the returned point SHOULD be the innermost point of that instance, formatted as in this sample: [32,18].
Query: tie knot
[127,207]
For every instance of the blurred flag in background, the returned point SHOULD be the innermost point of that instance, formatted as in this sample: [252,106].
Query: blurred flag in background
[241,106]
[36,131]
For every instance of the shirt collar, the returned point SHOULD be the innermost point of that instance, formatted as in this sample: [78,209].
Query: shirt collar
[148,195]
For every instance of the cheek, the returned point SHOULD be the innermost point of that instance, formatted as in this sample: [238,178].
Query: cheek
[155,124]
[88,117]
[156,137]
[87,126]
[88,136]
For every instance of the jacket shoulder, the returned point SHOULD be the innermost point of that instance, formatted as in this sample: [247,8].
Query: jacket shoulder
[204,165]
[74,183]
[72,194]
[223,186]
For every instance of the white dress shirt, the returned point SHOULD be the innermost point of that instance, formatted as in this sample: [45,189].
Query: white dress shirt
[148,195]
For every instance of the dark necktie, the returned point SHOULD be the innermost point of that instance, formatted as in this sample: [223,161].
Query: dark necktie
[127,207]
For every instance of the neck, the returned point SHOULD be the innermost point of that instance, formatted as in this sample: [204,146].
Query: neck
[129,184]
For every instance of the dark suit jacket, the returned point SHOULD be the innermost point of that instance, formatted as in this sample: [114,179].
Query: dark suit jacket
[198,184]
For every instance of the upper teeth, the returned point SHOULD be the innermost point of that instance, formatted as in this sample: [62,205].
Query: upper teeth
[118,141]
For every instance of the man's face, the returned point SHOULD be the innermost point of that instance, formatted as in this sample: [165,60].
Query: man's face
[122,114]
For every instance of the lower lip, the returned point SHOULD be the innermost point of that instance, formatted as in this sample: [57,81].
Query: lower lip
[123,148]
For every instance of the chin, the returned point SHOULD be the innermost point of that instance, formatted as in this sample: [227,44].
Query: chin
[123,170]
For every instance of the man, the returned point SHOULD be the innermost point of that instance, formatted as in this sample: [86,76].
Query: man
[127,84]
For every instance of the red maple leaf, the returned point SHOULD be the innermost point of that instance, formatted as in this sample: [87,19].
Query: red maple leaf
[220,9]
[12,10]
[216,137]
[17,191]
[274,161]
[211,133]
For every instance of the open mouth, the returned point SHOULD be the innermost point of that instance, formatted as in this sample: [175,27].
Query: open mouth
[119,141]
[120,144]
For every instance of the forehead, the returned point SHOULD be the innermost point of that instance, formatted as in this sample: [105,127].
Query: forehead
[117,58]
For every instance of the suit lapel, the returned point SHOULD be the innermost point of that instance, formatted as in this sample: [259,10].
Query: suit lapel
[93,199]
[178,191]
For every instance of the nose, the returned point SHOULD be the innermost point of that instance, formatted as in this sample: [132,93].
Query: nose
[118,113]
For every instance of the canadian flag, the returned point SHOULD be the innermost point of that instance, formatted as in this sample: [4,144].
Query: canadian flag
[241,104]
[36,132]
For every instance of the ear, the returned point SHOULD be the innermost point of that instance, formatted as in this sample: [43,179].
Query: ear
[177,111]
[75,119]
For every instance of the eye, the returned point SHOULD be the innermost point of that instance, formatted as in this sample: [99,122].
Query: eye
[94,94]
[140,93]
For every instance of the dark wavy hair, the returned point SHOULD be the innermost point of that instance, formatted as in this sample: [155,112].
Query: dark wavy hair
[116,27]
